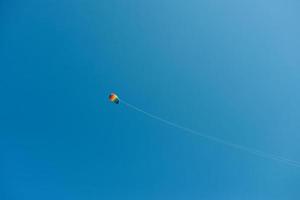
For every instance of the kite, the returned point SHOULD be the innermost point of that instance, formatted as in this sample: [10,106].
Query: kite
[114,98]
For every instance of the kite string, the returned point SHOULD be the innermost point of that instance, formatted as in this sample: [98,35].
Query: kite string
[216,139]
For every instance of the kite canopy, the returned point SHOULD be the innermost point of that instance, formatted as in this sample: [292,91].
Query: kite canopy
[114,98]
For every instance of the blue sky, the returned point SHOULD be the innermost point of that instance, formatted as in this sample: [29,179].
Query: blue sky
[228,69]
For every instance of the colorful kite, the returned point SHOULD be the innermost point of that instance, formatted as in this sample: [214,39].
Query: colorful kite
[114,98]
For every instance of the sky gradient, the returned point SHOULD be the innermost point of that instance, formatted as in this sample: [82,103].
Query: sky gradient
[229,69]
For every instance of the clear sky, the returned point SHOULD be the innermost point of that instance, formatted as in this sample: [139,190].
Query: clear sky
[230,69]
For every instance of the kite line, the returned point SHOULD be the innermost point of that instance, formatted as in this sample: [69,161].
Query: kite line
[249,150]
